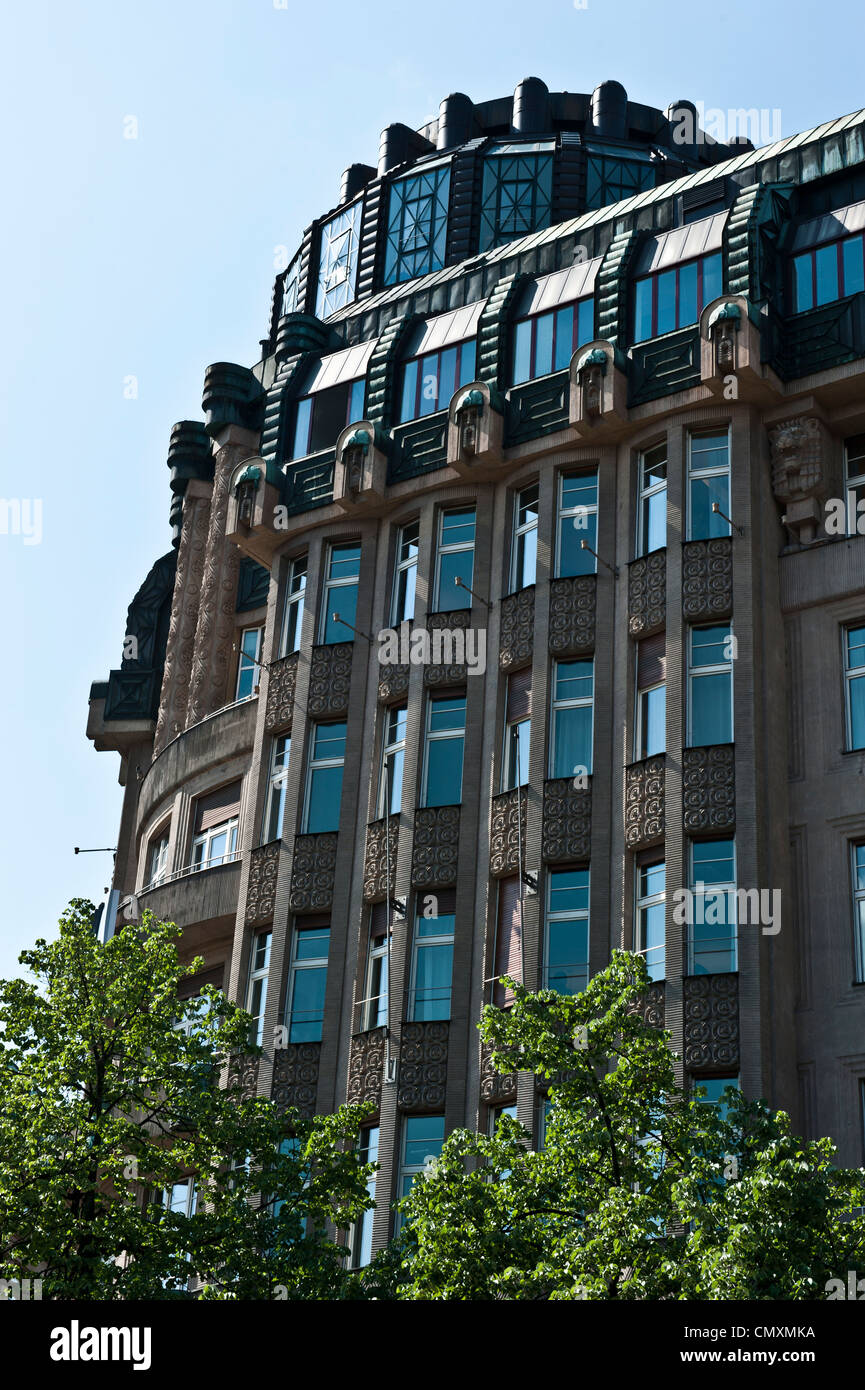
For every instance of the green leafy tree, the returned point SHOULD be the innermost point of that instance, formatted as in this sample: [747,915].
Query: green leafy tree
[640,1191]
[112,1091]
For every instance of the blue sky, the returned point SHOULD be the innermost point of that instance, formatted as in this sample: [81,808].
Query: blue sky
[153,257]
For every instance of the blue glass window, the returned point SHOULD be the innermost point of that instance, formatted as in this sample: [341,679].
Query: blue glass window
[445,737]
[652,500]
[675,298]
[577,522]
[573,705]
[712,908]
[651,911]
[455,559]
[432,967]
[826,273]
[324,778]
[545,343]
[422,1140]
[854,674]
[322,416]
[710,686]
[517,196]
[566,968]
[417,225]
[340,592]
[428,382]
[610,178]
[708,482]
[290,287]
[307,983]
[337,267]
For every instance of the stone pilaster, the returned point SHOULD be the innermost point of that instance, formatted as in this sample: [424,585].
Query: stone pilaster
[174,698]
[216,628]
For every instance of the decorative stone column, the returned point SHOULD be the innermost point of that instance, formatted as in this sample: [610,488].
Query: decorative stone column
[232,405]
[191,462]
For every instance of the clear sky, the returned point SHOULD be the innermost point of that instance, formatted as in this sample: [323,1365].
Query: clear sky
[152,257]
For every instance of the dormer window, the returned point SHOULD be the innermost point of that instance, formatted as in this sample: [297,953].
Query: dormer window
[676,276]
[337,268]
[440,359]
[831,267]
[417,224]
[333,396]
[518,191]
[555,316]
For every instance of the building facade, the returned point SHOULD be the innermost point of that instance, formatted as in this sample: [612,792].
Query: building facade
[515,612]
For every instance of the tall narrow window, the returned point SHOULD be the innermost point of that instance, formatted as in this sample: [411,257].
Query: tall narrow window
[340,592]
[248,664]
[337,270]
[854,681]
[652,500]
[712,908]
[307,979]
[214,835]
[577,522]
[374,1010]
[651,900]
[509,939]
[708,482]
[157,858]
[572,717]
[422,1140]
[859,911]
[455,559]
[405,576]
[524,549]
[360,1237]
[443,750]
[650,730]
[274,809]
[432,956]
[324,778]
[710,686]
[393,761]
[292,619]
[566,944]
[854,478]
[256,993]
[518,731]
[714,1088]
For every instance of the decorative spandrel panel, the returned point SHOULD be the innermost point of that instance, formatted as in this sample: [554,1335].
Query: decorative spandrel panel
[647,594]
[707,579]
[711,1004]
[281,683]
[423,1066]
[295,1077]
[652,1006]
[366,1067]
[448,644]
[497,1088]
[436,847]
[567,822]
[572,615]
[261,891]
[507,832]
[382,845]
[517,632]
[243,1074]
[644,802]
[312,872]
[393,683]
[708,788]
[329,680]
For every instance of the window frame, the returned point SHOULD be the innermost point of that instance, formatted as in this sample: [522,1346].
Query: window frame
[159,838]
[305,407]
[640,694]
[280,754]
[519,531]
[715,669]
[436,735]
[566,915]
[644,901]
[377,954]
[858,898]
[566,702]
[729,887]
[391,748]
[297,966]
[258,975]
[462,376]
[331,584]
[444,548]
[247,662]
[851,674]
[359,1240]
[294,603]
[314,765]
[655,275]
[228,827]
[644,493]
[413,1170]
[582,307]
[564,514]
[403,566]
[810,254]
[698,474]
